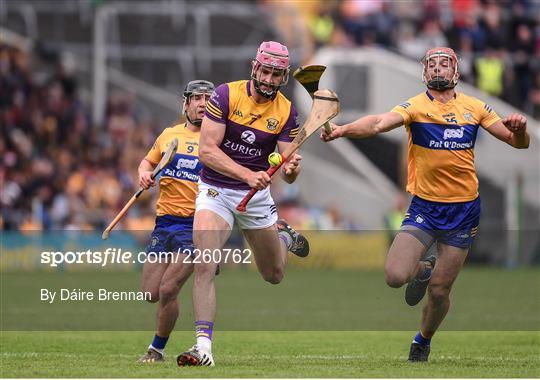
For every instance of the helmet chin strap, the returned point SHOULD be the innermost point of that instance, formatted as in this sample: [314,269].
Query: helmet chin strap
[196,122]
[440,83]
[270,96]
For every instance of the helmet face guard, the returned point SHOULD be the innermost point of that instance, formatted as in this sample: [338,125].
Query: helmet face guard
[438,56]
[273,57]
[196,87]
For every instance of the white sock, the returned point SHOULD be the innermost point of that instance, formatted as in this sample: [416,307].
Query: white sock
[287,239]
[156,349]
[204,343]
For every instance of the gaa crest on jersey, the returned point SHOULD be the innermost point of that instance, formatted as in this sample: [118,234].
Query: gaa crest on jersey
[272,124]
[154,241]
[212,193]
[467,116]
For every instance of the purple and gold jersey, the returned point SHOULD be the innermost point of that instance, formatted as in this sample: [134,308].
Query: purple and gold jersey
[441,145]
[178,181]
[252,130]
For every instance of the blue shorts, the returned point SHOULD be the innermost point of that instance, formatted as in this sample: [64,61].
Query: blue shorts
[454,224]
[172,234]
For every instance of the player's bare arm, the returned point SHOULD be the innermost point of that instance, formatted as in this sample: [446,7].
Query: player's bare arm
[512,130]
[145,174]
[366,126]
[291,168]
[212,156]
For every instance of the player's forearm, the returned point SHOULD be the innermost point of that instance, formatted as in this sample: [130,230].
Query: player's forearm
[364,127]
[145,166]
[520,140]
[217,160]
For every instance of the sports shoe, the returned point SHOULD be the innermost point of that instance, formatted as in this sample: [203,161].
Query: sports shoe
[151,356]
[416,289]
[419,352]
[300,245]
[195,357]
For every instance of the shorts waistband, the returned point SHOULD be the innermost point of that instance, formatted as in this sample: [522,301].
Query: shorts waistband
[416,197]
[174,219]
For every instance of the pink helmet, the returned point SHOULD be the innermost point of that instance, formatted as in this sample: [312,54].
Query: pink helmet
[275,56]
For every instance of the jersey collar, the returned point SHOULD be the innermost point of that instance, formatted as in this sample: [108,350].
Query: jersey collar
[432,98]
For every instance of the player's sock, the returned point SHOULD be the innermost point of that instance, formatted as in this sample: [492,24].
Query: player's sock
[286,238]
[159,343]
[203,332]
[419,339]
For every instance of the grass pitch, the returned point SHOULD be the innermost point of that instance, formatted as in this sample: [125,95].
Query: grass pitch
[317,323]
[273,354]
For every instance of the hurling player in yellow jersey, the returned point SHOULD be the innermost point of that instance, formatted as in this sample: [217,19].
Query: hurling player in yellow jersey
[442,125]
[165,272]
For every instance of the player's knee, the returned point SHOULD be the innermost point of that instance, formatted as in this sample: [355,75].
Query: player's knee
[204,272]
[154,295]
[273,276]
[439,293]
[395,279]
[168,292]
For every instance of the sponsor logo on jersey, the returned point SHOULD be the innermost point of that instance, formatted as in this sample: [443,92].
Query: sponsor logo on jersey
[187,163]
[248,136]
[450,133]
[237,147]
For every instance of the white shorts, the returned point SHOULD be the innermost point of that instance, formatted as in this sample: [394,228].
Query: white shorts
[261,210]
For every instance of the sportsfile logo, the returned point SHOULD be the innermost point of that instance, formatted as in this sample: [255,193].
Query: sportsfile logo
[451,133]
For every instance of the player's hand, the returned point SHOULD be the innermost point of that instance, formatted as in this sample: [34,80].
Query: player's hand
[336,132]
[292,165]
[515,123]
[145,180]
[258,180]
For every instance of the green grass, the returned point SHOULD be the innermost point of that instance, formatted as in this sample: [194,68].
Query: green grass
[339,324]
[309,300]
[273,354]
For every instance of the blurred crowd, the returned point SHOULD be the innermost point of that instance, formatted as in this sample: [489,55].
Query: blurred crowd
[57,172]
[498,41]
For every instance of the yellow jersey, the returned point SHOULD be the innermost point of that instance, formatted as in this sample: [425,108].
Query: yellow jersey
[441,140]
[178,181]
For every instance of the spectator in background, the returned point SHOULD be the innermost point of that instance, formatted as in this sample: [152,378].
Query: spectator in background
[522,49]
[490,71]
[495,39]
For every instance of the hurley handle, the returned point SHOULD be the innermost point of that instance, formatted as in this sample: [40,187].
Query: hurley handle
[243,203]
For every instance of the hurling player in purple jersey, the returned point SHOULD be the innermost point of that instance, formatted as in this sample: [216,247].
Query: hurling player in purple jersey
[244,122]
